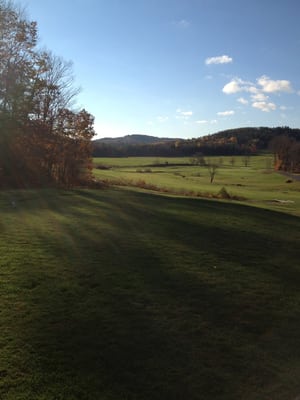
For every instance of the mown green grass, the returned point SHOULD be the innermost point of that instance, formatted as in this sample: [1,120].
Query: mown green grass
[257,183]
[116,294]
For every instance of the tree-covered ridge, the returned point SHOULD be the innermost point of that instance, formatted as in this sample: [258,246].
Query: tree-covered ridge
[252,139]
[133,139]
[42,138]
[240,141]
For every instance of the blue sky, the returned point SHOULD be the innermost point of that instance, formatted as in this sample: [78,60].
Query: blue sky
[178,68]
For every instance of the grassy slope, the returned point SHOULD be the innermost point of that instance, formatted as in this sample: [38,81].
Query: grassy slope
[122,295]
[258,183]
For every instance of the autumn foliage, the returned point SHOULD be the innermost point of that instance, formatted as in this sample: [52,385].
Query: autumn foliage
[286,153]
[42,138]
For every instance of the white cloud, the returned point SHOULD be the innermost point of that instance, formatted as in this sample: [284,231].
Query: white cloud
[225,113]
[243,101]
[264,106]
[260,92]
[234,86]
[218,60]
[187,113]
[264,85]
[162,118]
[252,89]
[259,96]
[205,121]
[183,114]
[270,86]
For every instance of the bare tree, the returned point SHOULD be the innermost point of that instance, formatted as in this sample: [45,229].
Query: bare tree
[53,88]
[212,170]
[198,159]
[232,161]
[246,160]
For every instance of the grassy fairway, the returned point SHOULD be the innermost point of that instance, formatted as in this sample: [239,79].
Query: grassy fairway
[257,182]
[114,294]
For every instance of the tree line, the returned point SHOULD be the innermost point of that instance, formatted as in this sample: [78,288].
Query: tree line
[239,141]
[43,139]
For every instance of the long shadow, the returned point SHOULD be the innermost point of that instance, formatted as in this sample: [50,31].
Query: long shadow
[127,307]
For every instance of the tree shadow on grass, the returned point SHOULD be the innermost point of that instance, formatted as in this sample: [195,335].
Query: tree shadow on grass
[129,306]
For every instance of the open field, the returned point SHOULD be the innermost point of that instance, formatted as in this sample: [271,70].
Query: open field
[116,294]
[257,182]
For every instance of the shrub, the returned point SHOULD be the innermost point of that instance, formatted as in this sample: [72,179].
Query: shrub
[223,194]
[104,167]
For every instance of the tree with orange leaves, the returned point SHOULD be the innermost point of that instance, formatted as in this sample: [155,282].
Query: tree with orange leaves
[42,140]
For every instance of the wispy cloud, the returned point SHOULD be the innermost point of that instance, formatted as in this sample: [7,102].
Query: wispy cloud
[205,121]
[183,114]
[187,113]
[161,118]
[226,113]
[182,24]
[259,97]
[218,60]
[243,101]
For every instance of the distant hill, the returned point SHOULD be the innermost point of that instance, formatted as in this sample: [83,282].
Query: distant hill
[239,141]
[134,139]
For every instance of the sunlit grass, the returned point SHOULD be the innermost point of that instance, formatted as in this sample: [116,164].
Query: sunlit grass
[116,294]
[257,183]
